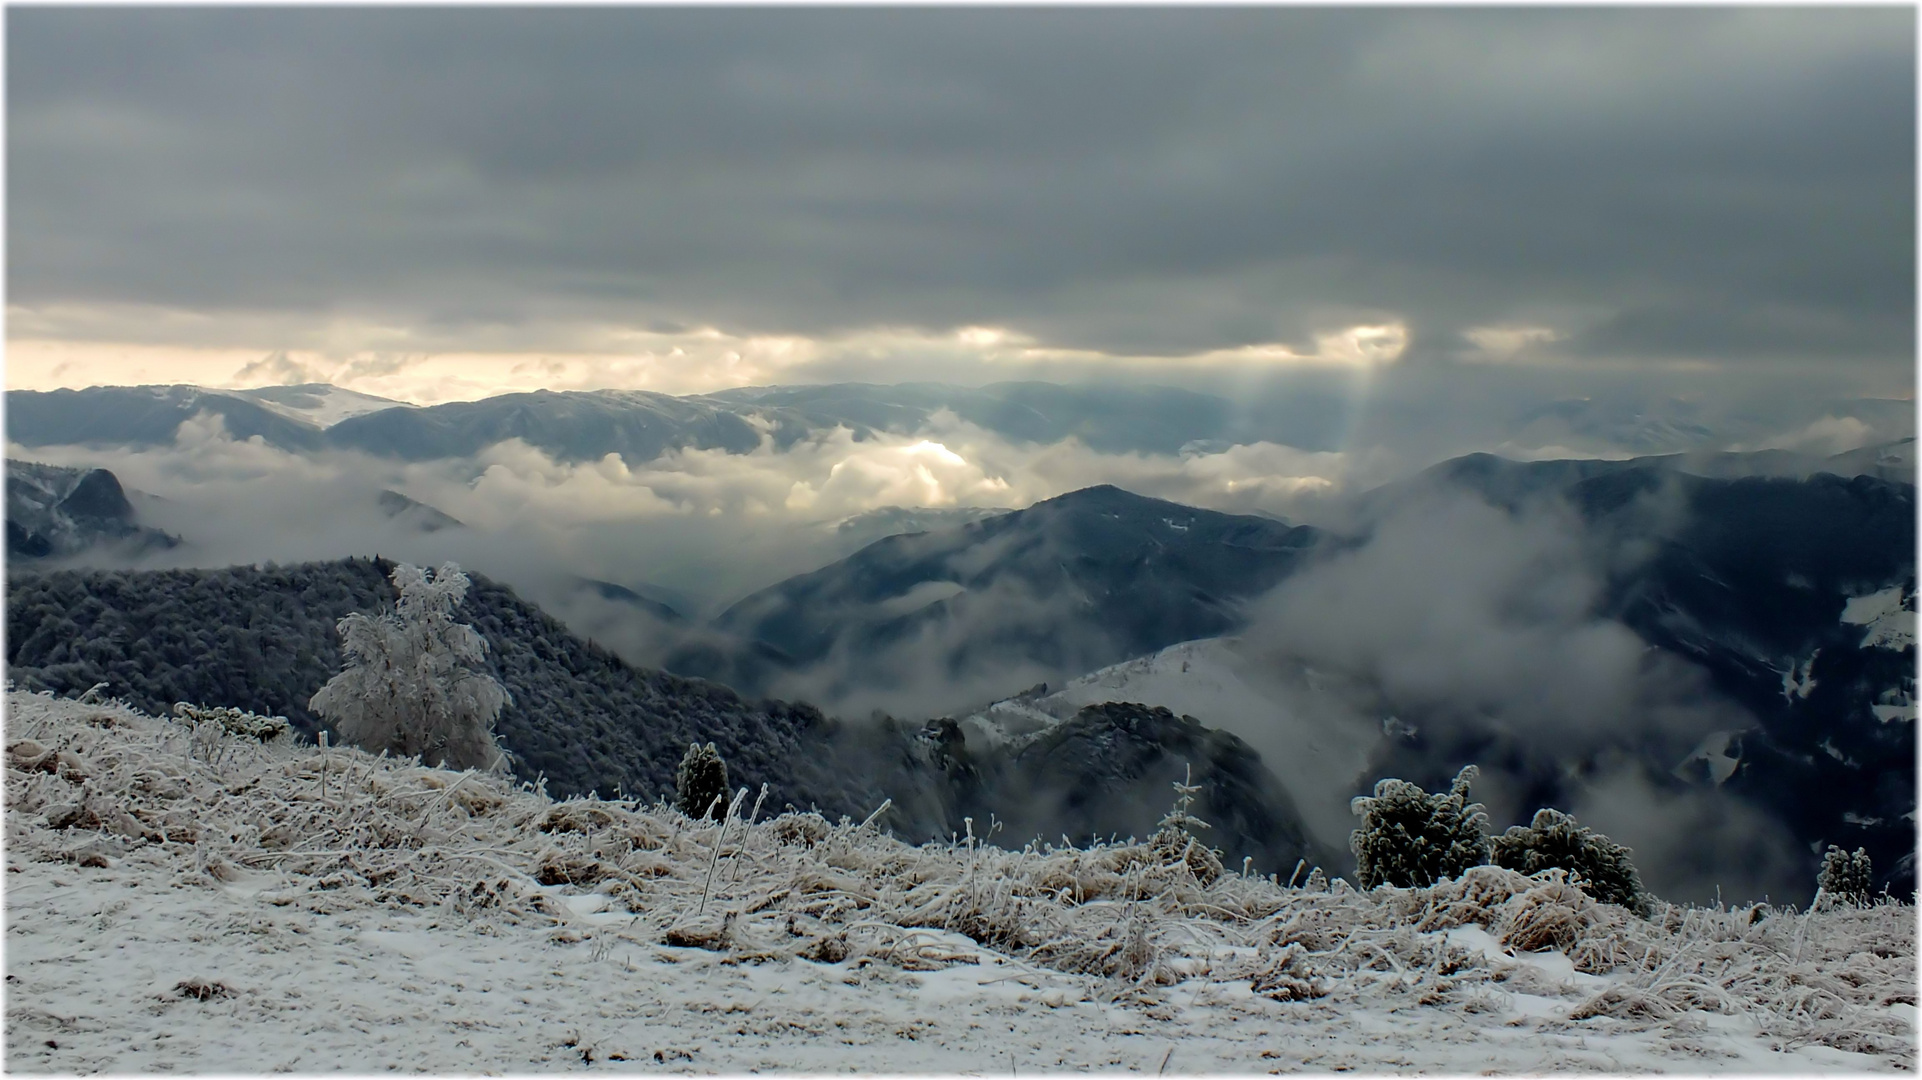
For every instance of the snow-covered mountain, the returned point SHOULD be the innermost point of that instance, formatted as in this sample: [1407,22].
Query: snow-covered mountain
[320,404]
[54,512]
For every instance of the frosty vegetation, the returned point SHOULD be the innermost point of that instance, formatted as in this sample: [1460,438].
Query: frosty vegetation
[1411,839]
[700,783]
[1845,877]
[1554,839]
[411,685]
[332,830]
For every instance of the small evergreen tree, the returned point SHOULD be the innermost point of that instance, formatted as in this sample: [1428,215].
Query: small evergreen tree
[1846,878]
[1600,866]
[700,784]
[1411,839]
[1175,841]
[409,686]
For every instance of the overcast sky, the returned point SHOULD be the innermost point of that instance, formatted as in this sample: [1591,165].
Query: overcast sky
[438,203]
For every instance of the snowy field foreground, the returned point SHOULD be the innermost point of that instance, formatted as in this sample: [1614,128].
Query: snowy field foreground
[181,898]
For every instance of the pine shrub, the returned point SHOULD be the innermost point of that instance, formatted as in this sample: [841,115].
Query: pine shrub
[1412,839]
[700,784]
[1845,878]
[1600,866]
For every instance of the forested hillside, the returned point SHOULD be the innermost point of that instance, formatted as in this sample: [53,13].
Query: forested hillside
[263,639]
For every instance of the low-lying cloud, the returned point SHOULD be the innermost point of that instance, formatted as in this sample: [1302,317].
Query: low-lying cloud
[1465,633]
[705,522]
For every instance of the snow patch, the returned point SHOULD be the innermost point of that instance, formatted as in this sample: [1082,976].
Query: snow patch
[318,404]
[1888,615]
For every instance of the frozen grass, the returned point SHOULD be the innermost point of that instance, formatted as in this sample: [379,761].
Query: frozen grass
[337,830]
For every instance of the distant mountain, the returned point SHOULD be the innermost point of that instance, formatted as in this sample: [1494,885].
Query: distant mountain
[640,426]
[1107,418]
[1066,585]
[53,512]
[416,515]
[1631,425]
[143,416]
[887,521]
[319,404]
[621,594]
[1509,483]
[577,426]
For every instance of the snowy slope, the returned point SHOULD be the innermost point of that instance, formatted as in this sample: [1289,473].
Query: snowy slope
[320,404]
[1888,616]
[190,900]
[1214,682]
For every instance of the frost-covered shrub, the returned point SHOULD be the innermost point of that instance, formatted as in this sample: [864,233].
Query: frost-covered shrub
[409,686]
[1598,865]
[1411,839]
[235,721]
[1845,878]
[700,784]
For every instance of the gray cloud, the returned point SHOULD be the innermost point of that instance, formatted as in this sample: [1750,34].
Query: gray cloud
[1717,186]
[1479,629]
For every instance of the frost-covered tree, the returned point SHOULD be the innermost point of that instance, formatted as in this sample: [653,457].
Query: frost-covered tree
[1554,839]
[1175,840]
[1846,878]
[700,784]
[1411,839]
[409,684]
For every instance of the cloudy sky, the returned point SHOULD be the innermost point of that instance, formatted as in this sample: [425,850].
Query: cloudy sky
[437,204]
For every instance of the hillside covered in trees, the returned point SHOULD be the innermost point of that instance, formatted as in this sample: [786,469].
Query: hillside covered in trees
[264,639]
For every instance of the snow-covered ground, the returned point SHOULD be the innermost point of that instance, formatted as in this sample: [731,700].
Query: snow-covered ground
[184,899]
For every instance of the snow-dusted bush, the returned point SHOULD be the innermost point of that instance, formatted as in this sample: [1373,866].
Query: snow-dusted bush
[1846,878]
[409,686]
[237,721]
[1412,839]
[700,784]
[1598,865]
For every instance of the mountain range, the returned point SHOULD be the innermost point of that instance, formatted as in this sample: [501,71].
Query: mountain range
[1781,582]
[638,425]
[575,426]
[1064,586]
